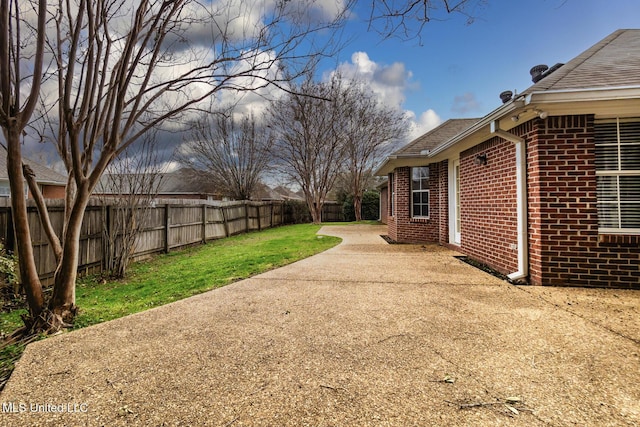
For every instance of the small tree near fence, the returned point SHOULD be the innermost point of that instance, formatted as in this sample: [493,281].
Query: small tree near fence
[129,187]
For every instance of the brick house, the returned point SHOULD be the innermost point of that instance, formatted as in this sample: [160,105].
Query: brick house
[51,183]
[544,189]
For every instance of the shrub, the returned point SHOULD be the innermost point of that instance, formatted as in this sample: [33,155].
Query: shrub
[9,280]
[370,206]
[296,212]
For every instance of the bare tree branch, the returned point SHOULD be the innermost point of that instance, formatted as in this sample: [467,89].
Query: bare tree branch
[406,19]
[234,153]
[310,139]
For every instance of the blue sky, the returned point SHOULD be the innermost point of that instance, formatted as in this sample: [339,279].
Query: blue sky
[460,69]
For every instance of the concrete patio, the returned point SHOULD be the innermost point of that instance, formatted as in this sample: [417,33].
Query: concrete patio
[365,334]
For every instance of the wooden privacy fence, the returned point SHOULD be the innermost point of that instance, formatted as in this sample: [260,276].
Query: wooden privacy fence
[165,226]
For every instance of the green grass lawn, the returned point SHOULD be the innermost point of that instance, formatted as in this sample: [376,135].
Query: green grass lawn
[180,274]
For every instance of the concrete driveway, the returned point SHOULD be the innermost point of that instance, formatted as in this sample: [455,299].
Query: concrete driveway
[365,334]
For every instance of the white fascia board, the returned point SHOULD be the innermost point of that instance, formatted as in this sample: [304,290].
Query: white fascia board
[583,95]
[485,122]
[400,160]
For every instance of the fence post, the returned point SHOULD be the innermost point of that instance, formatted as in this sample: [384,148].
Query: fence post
[204,223]
[167,232]
[271,204]
[259,219]
[106,236]
[224,221]
[246,216]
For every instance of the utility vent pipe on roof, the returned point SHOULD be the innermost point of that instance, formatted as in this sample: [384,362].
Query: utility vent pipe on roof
[506,96]
[537,72]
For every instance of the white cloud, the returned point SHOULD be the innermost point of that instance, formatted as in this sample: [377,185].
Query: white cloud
[390,83]
[428,120]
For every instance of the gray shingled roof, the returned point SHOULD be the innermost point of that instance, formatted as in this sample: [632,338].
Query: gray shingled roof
[44,175]
[612,62]
[436,136]
[183,181]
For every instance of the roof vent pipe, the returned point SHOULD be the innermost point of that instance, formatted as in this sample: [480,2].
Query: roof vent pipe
[537,72]
[506,96]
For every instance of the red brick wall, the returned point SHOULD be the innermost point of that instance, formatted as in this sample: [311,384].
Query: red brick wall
[52,192]
[403,228]
[443,201]
[565,247]
[489,205]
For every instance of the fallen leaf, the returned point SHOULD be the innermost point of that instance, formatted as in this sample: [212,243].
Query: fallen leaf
[512,409]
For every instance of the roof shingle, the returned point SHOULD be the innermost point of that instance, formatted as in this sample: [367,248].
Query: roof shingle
[44,175]
[612,62]
[436,136]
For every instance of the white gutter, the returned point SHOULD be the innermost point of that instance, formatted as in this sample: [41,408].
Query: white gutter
[391,161]
[584,94]
[521,196]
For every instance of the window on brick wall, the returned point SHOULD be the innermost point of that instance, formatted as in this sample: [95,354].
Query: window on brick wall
[618,175]
[420,192]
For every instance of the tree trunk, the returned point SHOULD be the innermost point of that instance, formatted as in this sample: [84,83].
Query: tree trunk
[316,212]
[26,261]
[357,207]
[63,300]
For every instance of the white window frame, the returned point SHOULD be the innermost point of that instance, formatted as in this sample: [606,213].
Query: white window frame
[421,191]
[617,173]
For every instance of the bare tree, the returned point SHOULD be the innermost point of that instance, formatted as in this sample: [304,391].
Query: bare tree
[406,18]
[127,190]
[18,99]
[119,69]
[234,153]
[371,129]
[309,140]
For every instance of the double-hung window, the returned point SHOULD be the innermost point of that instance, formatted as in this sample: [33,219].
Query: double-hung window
[420,192]
[618,175]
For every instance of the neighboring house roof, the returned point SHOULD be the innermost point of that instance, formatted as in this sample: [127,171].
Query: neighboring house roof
[436,136]
[264,192]
[182,181]
[606,73]
[187,181]
[44,175]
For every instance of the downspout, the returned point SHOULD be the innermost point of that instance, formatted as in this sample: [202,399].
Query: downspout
[521,196]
